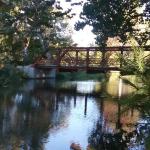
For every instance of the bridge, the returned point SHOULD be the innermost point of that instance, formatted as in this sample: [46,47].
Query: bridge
[89,59]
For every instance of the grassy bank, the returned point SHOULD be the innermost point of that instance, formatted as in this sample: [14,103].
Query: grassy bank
[79,76]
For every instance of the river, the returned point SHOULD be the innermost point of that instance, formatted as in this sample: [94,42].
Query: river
[51,114]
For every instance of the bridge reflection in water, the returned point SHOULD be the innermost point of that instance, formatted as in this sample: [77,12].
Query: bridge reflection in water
[50,115]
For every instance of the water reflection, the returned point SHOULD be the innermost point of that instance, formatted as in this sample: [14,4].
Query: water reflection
[45,115]
[39,116]
[116,88]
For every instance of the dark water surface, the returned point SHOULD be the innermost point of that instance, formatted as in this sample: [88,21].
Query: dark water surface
[50,115]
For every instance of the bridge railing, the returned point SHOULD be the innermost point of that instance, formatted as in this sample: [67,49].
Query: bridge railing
[91,57]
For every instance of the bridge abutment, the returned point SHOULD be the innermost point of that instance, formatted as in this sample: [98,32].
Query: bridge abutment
[38,72]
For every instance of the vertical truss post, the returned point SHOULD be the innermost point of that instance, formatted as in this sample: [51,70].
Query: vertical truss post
[87,59]
[76,59]
[121,52]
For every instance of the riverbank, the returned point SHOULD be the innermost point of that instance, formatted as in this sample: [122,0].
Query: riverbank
[81,75]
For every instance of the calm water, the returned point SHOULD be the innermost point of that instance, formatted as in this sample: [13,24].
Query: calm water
[50,115]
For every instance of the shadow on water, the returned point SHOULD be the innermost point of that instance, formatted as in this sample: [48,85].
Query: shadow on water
[46,114]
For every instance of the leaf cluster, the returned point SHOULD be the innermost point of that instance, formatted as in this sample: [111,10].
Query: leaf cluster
[112,18]
[138,65]
[39,21]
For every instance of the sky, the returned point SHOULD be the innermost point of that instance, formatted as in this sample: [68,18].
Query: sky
[83,37]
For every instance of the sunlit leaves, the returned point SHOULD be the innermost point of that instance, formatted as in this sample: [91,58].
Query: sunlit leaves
[111,18]
[138,65]
[34,19]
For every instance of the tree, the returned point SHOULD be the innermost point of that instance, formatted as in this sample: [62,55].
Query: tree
[30,26]
[114,18]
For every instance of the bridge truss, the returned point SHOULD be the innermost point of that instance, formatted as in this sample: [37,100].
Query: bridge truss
[90,59]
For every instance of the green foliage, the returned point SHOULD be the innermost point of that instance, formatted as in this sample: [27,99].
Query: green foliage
[139,66]
[63,76]
[9,75]
[79,76]
[134,63]
[139,100]
[38,21]
[148,143]
[113,18]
